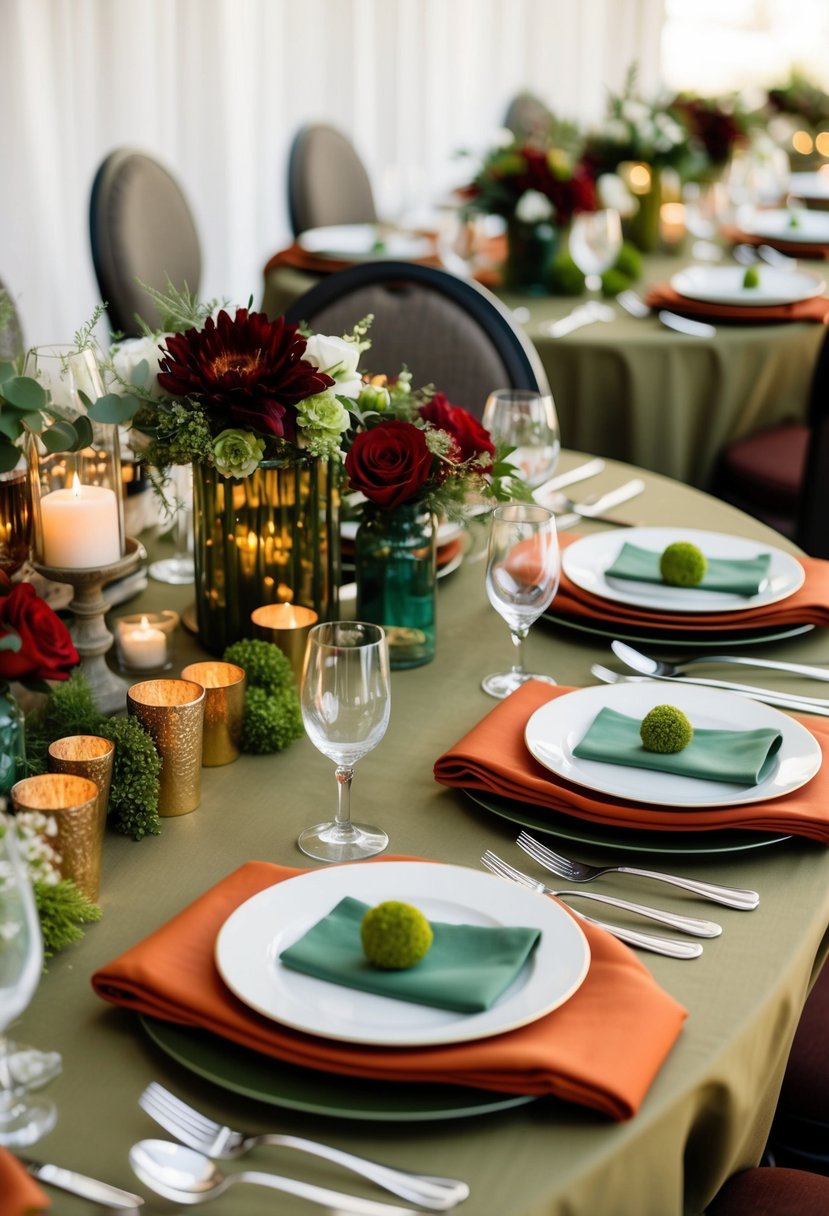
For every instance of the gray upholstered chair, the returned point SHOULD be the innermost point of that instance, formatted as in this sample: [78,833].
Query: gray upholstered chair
[528,117]
[11,331]
[141,230]
[448,331]
[327,181]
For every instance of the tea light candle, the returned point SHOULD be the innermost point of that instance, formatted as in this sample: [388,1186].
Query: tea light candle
[287,626]
[143,647]
[672,224]
[79,527]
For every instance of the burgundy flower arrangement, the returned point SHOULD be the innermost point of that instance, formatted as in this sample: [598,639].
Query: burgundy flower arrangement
[34,642]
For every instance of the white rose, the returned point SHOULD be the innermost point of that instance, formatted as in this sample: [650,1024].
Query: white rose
[338,359]
[125,359]
[533,207]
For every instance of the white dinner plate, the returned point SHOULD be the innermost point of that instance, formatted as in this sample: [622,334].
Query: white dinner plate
[586,560]
[812,227]
[252,938]
[557,727]
[724,285]
[810,185]
[364,243]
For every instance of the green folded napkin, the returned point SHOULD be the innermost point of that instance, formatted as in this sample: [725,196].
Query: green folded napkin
[466,969]
[738,575]
[742,757]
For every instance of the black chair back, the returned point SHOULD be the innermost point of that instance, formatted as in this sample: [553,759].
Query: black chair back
[813,509]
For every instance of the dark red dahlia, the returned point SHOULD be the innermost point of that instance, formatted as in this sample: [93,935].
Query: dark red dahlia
[246,371]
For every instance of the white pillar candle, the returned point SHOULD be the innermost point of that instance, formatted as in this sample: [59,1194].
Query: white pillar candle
[143,647]
[80,527]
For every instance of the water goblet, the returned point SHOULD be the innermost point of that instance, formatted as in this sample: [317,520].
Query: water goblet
[522,576]
[595,242]
[526,422]
[345,700]
[22,1119]
[178,569]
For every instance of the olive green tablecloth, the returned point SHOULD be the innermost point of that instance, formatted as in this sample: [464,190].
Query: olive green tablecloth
[708,1111]
[636,391]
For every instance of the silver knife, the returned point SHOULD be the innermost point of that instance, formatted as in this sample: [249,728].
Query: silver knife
[613,498]
[81,1184]
[684,325]
[581,472]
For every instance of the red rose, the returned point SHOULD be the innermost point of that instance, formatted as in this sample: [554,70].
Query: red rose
[46,651]
[390,463]
[470,436]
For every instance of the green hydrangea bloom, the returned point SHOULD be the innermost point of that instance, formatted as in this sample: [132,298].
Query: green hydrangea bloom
[395,936]
[665,729]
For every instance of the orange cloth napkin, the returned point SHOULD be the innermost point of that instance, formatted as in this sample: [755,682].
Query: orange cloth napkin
[299,259]
[19,1193]
[795,249]
[663,296]
[807,606]
[601,1049]
[443,556]
[493,757]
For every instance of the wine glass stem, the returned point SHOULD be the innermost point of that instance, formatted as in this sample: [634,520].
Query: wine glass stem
[343,775]
[519,637]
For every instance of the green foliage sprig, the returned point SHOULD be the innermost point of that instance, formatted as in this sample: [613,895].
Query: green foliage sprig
[272,717]
[62,909]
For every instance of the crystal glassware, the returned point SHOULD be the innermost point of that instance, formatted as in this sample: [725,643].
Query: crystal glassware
[179,569]
[23,1120]
[526,422]
[522,576]
[345,709]
[595,242]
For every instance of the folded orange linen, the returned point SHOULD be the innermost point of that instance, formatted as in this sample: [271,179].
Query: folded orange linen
[663,296]
[796,249]
[299,259]
[601,1049]
[493,757]
[807,606]
[19,1193]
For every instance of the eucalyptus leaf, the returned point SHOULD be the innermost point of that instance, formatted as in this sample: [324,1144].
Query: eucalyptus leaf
[9,456]
[33,422]
[113,408]
[7,370]
[140,373]
[11,424]
[25,393]
[59,437]
[83,433]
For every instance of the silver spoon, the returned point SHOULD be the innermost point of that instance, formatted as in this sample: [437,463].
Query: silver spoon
[660,667]
[184,1176]
[803,705]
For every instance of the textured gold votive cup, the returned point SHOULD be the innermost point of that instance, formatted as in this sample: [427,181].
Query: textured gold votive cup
[173,713]
[85,756]
[287,626]
[224,707]
[73,804]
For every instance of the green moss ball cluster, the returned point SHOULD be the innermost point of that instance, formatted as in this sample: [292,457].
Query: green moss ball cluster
[395,936]
[751,278]
[665,729]
[683,564]
[272,717]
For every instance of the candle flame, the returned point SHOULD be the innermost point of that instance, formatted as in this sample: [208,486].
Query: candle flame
[76,485]
[145,623]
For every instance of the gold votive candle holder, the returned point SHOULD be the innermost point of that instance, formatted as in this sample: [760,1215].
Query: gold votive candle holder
[287,626]
[172,711]
[224,708]
[72,802]
[85,756]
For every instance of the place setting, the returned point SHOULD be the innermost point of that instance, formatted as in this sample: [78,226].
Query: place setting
[757,293]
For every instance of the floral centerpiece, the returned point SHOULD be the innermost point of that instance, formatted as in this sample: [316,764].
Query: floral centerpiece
[715,129]
[415,459]
[537,190]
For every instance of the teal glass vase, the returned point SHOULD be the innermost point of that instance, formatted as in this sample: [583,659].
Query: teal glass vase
[12,742]
[395,565]
[531,251]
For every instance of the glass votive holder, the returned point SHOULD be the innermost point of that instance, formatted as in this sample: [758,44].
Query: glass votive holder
[144,641]
[224,708]
[72,802]
[287,626]
[172,711]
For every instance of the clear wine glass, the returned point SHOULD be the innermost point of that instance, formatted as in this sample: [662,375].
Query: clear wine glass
[525,421]
[595,242]
[22,1118]
[345,709]
[178,569]
[522,576]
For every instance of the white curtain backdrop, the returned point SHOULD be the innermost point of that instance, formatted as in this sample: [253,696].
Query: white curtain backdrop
[216,89]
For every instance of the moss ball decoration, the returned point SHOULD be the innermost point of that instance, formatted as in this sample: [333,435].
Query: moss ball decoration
[751,278]
[395,936]
[665,729]
[683,564]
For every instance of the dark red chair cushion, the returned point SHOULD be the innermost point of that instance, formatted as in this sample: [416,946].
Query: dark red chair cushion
[800,1132]
[772,1192]
[767,468]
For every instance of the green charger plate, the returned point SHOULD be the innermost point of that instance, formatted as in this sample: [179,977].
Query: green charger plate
[675,636]
[583,831]
[321,1093]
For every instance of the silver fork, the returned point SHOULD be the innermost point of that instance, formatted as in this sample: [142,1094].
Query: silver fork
[670,946]
[579,871]
[217,1140]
